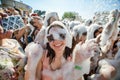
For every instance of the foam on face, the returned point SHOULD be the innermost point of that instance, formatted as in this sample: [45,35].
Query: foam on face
[56,33]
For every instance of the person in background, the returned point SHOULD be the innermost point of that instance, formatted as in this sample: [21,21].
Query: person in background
[49,18]
[12,58]
[37,23]
[7,34]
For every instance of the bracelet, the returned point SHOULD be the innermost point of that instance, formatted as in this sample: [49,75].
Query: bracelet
[78,67]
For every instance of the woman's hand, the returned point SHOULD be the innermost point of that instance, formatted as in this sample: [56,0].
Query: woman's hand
[9,33]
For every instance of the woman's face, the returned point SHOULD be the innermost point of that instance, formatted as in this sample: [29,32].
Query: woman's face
[57,45]
[81,38]
[52,19]
[37,22]
[99,31]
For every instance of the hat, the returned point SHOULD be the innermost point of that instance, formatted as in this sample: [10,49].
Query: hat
[34,15]
[68,36]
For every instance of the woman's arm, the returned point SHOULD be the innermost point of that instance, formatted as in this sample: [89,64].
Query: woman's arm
[39,70]
[34,53]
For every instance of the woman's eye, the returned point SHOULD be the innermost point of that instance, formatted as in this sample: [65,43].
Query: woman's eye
[62,36]
[50,38]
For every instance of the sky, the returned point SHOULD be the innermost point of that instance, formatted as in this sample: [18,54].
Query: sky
[85,8]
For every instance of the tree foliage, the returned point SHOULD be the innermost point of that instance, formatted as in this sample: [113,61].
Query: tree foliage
[39,12]
[69,15]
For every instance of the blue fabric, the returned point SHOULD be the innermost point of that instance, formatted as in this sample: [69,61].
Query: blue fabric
[12,22]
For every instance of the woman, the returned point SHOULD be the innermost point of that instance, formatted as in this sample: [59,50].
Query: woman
[50,17]
[79,34]
[93,31]
[58,53]
[11,58]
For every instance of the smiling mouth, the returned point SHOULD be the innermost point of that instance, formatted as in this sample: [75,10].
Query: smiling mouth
[58,45]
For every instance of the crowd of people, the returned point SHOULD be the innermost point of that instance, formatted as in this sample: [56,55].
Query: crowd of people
[37,48]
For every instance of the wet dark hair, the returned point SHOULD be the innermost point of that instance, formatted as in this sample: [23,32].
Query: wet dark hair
[51,53]
[90,22]
[85,33]
[48,21]
[95,32]
[73,44]
[31,22]
[115,44]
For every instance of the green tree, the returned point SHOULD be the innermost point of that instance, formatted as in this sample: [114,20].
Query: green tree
[39,12]
[69,15]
